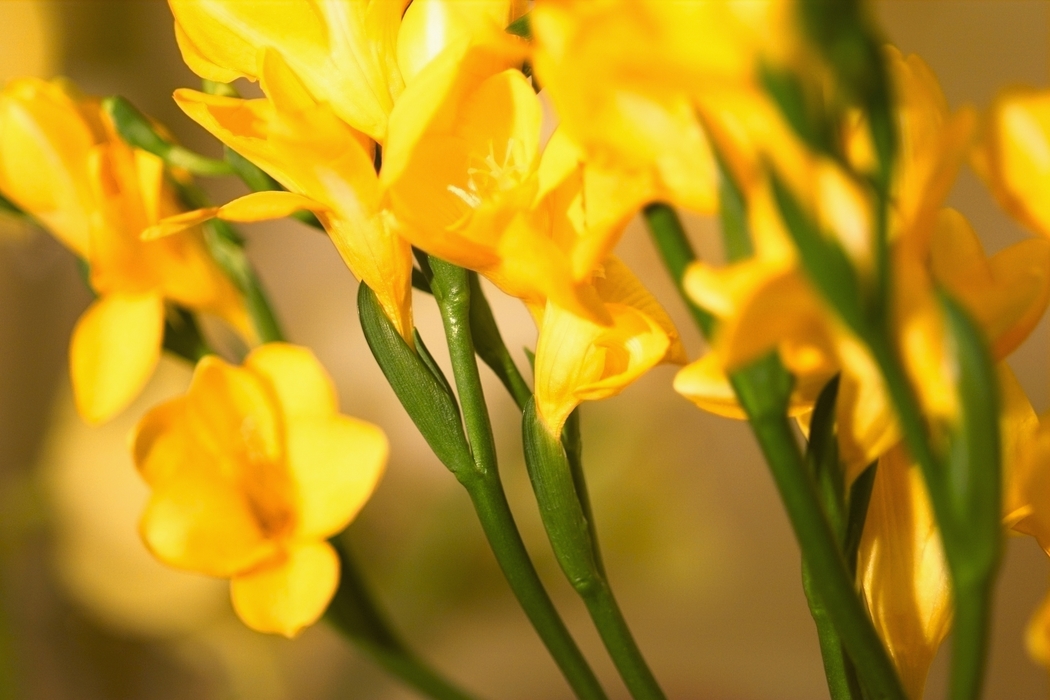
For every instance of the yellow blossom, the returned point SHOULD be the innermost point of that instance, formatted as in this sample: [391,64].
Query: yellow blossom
[63,163]
[902,571]
[578,360]
[250,471]
[344,53]
[465,178]
[328,168]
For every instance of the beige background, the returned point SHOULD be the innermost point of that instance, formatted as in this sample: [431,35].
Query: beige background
[696,542]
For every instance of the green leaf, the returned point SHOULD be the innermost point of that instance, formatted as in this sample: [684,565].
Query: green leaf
[824,260]
[522,27]
[973,471]
[428,401]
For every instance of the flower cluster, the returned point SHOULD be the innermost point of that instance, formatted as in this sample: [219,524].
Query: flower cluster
[852,300]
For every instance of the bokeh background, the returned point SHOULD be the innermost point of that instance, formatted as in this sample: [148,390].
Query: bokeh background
[696,541]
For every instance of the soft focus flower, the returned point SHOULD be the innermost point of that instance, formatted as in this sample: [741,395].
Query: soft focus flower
[1014,157]
[626,79]
[765,302]
[902,571]
[328,168]
[62,162]
[578,360]
[251,470]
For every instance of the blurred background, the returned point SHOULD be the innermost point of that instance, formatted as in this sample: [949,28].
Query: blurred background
[695,539]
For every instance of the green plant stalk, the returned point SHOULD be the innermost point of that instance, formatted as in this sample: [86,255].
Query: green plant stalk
[354,614]
[571,539]
[452,291]
[758,395]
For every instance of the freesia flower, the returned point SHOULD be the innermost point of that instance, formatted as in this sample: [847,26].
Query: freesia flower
[343,53]
[579,360]
[327,167]
[62,162]
[251,471]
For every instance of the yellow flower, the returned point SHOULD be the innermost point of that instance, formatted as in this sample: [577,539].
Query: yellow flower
[578,360]
[62,161]
[251,470]
[328,168]
[635,109]
[464,176]
[344,53]
[902,572]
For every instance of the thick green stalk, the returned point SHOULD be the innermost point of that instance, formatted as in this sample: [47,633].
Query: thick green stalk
[763,389]
[452,290]
[571,538]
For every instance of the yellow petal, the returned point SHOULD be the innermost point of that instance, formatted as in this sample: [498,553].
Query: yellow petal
[299,383]
[115,347]
[178,223]
[618,285]
[578,360]
[430,26]
[198,522]
[263,206]
[902,572]
[1037,635]
[705,383]
[343,52]
[289,596]
[45,142]
[335,463]
[1017,155]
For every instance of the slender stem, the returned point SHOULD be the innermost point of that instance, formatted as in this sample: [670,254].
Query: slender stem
[493,511]
[451,288]
[571,537]
[354,613]
[970,639]
[842,680]
[758,394]
[618,640]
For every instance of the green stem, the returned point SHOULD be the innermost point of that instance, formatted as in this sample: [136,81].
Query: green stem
[354,613]
[761,392]
[842,680]
[571,538]
[452,290]
[972,625]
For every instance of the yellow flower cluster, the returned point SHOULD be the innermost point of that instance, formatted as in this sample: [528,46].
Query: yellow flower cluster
[402,125]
